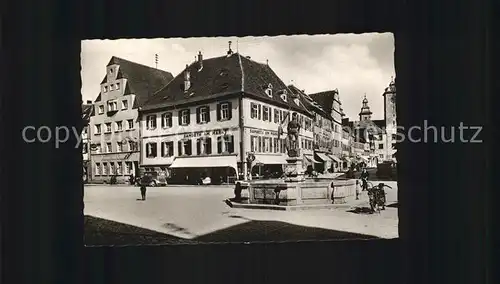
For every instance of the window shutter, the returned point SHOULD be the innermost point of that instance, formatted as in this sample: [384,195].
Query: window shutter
[179,148]
[163,145]
[179,116]
[209,145]
[208,113]
[231,144]
[198,146]
[259,111]
[229,110]
[198,118]
[188,117]
[218,112]
[190,147]
[219,144]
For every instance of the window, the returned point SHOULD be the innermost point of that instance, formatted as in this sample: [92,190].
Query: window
[381,156]
[109,148]
[111,86]
[269,91]
[265,113]
[203,114]
[97,128]
[259,111]
[253,110]
[85,148]
[117,86]
[302,143]
[166,120]
[131,146]
[124,105]
[97,169]
[381,146]
[283,145]
[167,149]
[112,169]
[98,148]
[105,168]
[105,89]
[100,109]
[259,146]
[225,144]
[119,168]
[224,111]
[276,146]
[284,95]
[112,106]
[108,127]
[267,144]
[184,117]
[185,147]
[128,168]
[151,122]
[119,147]
[151,150]
[204,146]
[276,116]
[85,130]
[119,126]
[130,124]
[253,143]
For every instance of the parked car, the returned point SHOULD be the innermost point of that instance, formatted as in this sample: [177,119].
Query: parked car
[153,179]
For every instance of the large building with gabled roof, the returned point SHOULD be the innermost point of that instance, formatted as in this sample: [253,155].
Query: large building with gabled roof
[219,118]
[114,126]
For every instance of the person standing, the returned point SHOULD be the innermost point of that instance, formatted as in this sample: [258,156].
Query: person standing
[143,190]
[364,179]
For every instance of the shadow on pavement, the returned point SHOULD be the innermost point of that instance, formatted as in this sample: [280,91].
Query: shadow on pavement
[100,232]
[393,205]
[361,210]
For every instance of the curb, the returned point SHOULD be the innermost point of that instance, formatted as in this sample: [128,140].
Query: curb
[285,207]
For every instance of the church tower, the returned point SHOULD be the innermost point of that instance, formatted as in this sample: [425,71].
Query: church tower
[390,119]
[366,113]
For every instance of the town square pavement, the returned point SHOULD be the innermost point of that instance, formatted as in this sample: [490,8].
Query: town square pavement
[192,212]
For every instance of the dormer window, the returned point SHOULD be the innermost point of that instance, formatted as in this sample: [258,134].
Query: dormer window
[284,95]
[297,101]
[269,90]
[105,89]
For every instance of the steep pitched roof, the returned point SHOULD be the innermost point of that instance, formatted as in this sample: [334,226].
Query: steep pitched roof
[87,112]
[324,99]
[142,80]
[221,76]
[309,103]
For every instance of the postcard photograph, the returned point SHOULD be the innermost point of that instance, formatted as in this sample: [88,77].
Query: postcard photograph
[239,140]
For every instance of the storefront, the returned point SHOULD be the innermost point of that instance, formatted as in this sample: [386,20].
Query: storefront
[336,162]
[190,170]
[268,166]
[121,165]
[310,163]
[326,162]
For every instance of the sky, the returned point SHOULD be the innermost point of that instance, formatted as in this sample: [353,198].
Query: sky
[355,64]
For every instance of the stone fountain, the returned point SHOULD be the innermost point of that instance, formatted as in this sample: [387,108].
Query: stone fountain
[294,191]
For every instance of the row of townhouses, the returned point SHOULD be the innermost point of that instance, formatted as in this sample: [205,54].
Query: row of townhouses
[219,118]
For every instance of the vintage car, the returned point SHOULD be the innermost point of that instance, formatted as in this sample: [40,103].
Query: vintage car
[153,179]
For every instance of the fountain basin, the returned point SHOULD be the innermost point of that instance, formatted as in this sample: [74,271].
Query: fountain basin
[314,193]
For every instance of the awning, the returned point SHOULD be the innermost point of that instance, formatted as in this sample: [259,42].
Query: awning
[270,160]
[311,159]
[323,157]
[205,162]
[333,157]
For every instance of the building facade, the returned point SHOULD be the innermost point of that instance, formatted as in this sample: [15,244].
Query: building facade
[219,118]
[114,126]
[87,111]
[390,121]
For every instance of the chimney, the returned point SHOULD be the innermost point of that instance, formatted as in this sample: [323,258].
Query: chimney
[187,79]
[200,60]
[229,52]
[89,102]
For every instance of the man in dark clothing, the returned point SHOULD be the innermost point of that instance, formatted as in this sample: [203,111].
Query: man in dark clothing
[131,179]
[364,179]
[143,190]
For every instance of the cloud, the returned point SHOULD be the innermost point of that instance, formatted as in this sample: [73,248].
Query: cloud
[354,64]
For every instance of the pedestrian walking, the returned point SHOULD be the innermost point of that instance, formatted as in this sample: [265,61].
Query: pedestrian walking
[364,179]
[143,190]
